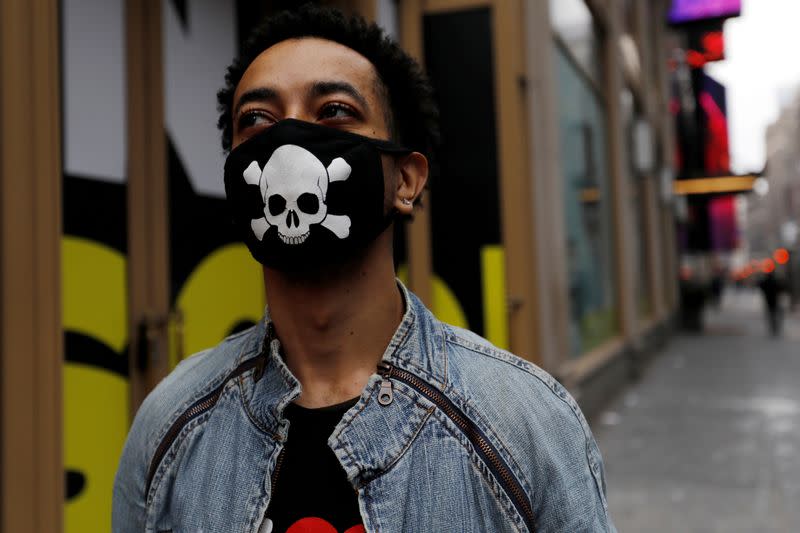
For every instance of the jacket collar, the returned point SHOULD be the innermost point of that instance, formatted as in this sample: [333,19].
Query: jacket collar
[370,437]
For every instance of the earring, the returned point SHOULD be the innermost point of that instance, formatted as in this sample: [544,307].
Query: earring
[406,201]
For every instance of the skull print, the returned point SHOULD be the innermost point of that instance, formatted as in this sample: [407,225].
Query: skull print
[294,188]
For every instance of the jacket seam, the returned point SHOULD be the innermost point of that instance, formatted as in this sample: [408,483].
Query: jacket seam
[446,360]
[487,428]
[594,467]
[250,416]
[259,501]
[491,482]
[502,356]
[377,526]
[234,336]
[196,394]
[166,461]
[553,386]
[360,410]
[402,452]
[344,447]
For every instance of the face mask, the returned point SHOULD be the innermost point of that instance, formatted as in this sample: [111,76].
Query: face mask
[304,195]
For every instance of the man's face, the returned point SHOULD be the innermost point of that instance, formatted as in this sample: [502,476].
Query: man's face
[314,80]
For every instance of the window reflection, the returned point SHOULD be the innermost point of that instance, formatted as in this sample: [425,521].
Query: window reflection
[587,197]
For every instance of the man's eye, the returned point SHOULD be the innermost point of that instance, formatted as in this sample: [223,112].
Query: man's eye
[336,110]
[252,118]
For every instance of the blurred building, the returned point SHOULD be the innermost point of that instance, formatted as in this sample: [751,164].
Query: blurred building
[773,213]
[547,227]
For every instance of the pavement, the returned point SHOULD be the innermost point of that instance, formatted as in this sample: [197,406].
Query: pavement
[708,440]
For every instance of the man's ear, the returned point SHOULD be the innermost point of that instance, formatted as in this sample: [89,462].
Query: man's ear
[412,171]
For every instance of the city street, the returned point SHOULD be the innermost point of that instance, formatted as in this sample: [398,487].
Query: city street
[708,440]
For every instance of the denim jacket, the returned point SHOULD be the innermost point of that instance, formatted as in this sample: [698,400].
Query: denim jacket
[450,434]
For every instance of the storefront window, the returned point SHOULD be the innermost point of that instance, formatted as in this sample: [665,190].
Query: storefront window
[587,196]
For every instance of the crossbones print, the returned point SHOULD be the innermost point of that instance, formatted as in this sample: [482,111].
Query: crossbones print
[294,186]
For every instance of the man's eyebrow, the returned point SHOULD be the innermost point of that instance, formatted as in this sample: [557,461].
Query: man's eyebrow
[262,94]
[326,88]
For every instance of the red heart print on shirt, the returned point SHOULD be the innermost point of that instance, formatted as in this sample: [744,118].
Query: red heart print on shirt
[318,525]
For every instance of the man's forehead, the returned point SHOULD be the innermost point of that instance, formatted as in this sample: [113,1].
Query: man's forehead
[307,60]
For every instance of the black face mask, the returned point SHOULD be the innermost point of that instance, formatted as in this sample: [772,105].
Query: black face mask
[304,195]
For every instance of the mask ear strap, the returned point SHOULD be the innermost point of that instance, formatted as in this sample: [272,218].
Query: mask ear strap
[388,146]
[388,218]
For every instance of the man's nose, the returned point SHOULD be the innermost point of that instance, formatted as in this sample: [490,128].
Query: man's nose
[299,111]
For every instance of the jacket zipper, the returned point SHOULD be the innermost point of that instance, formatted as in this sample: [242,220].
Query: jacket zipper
[276,473]
[198,408]
[486,450]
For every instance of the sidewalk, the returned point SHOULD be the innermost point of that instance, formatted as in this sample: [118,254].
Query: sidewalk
[709,439]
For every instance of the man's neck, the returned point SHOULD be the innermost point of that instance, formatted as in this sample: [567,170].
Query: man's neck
[335,328]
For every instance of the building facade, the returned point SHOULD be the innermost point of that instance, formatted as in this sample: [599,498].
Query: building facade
[773,212]
[117,261]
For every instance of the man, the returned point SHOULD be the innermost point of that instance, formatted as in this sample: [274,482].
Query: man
[349,407]
[771,288]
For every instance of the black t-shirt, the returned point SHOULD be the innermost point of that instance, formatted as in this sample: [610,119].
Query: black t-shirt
[312,493]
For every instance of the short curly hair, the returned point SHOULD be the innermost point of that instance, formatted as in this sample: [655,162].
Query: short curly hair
[413,116]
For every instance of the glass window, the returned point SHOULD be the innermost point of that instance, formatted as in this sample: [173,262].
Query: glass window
[587,196]
[574,25]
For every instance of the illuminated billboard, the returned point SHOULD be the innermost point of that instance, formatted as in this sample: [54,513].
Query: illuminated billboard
[685,11]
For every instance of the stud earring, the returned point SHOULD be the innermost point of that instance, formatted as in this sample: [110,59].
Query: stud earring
[406,201]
